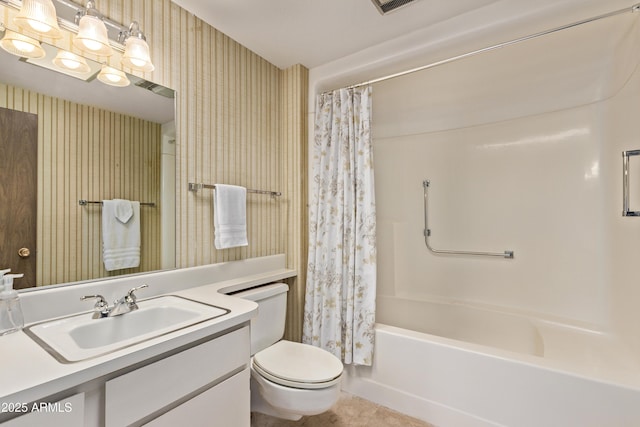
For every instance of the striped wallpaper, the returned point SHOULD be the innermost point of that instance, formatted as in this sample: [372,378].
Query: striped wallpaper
[295,81]
[240,120]
[88,153]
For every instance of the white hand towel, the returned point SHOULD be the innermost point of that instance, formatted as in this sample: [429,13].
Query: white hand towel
[120,234]
[230,216]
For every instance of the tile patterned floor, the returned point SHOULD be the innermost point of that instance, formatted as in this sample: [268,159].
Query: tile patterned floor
[350,411]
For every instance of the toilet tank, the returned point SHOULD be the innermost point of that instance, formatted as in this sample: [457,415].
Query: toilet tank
[268,327]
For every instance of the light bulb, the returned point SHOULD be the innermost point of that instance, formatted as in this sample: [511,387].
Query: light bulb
[23,46]
[73,65]
[40,27]
[137,62]
[72,62]
[91,44]
[112,76]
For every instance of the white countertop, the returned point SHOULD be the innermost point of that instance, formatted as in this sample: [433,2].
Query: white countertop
[28,373]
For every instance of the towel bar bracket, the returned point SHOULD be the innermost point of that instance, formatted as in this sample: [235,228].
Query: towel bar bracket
[195,186]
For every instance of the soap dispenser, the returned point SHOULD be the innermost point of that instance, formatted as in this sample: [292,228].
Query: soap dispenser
[11,318]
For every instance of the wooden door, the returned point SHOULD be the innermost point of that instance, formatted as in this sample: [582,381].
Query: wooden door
[18,194]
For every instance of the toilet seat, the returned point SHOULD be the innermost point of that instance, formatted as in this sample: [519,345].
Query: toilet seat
[298,365]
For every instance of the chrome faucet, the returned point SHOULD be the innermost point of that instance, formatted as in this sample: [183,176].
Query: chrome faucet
[127,303]
[123,305]
[101,308]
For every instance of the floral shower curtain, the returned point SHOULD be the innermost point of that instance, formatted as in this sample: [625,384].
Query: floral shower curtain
[341,278]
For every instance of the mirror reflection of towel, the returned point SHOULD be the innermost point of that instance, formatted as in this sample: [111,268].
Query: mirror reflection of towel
[230,216]
[120,234]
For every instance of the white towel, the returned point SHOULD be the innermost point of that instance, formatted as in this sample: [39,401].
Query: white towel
[230,216]
[120,234]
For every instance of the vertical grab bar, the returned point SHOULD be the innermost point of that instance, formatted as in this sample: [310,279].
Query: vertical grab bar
[625,183]
[427,234]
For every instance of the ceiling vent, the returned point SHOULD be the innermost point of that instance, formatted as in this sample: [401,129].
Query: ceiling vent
[386,6]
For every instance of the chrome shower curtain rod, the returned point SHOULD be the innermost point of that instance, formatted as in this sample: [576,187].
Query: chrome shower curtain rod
[634,8]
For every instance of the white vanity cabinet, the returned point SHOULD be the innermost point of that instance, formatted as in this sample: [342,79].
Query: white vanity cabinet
[204,384]
[200,385]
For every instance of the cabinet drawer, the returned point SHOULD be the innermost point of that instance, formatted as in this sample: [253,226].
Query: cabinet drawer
[155,387]
[226,404]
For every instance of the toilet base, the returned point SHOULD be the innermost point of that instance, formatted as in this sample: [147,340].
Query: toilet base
[261,406]
[290,403]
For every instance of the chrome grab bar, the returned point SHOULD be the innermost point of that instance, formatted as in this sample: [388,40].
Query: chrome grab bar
[427,234]
[625,183]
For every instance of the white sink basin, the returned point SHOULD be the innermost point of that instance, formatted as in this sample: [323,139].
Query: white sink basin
[80,337]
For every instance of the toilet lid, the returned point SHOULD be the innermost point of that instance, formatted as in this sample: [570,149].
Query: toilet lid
[298,365]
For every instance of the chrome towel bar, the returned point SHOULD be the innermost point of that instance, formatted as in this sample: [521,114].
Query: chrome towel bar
[197,187]
[427,234]
[625,183]
[83,202]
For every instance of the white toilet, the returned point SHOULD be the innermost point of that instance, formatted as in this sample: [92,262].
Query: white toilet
[288,379]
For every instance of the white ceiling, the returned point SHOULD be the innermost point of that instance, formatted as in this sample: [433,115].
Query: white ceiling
[316,32]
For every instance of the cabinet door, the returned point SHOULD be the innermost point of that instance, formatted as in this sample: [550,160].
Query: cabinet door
[226,404]
[67,412]
[156,388]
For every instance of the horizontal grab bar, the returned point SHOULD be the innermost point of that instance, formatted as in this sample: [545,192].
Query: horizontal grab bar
[427,234]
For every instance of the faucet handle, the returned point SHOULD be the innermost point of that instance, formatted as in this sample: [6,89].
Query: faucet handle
[131,296]
[101,306]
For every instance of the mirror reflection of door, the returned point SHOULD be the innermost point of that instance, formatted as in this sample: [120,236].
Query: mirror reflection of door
[18,195]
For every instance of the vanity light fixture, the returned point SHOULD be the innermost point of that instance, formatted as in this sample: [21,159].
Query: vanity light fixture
[92,33]
[71,62]
[136,50]
[39,16]
[113,77]
[21,45]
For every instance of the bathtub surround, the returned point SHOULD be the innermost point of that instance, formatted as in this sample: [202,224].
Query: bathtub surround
[341,272]
[524,143]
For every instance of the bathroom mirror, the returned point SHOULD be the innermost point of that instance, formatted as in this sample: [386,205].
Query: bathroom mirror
[94,142]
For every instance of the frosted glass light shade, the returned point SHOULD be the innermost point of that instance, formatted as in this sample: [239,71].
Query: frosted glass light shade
[21,45]
[39,16]
[92,36]
[71,61]
[136,55]
[113,77]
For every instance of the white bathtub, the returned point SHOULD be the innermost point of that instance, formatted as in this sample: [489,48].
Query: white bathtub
[460,365]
